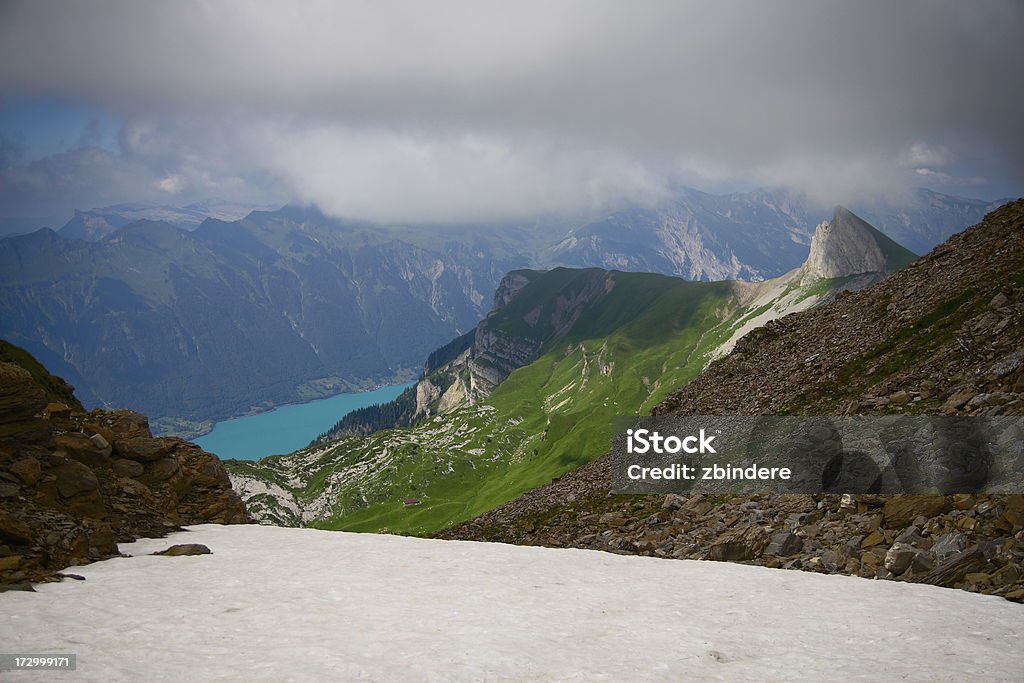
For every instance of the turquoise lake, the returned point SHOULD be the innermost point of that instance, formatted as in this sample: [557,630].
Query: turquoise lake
[287,428]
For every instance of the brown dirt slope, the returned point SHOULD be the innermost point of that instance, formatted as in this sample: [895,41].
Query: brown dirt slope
[942,336]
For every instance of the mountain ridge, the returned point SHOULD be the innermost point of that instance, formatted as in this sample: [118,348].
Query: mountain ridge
[510,337]
[941,336]
[588,344]
[160,308]
[848,245]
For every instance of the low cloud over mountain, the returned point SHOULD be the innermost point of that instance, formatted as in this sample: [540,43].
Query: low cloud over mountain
[461,111]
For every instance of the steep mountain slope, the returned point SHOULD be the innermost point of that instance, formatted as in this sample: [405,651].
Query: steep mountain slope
[942,336]
[55,389]
[275,308]
[847,245]
[925,219]
[747,235]
[531,397]
[74,484]
[152,316]
[697,236]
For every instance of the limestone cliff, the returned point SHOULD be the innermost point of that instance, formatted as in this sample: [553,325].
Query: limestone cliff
[847,245]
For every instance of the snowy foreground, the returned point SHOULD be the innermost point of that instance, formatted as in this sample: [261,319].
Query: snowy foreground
[304,605]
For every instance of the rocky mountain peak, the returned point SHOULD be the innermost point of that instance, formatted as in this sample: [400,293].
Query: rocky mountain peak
[848,245]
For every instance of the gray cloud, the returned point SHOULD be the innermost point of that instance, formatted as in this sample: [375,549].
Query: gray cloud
[448,110]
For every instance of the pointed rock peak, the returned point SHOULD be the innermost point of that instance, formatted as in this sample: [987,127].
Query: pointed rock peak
[849,245]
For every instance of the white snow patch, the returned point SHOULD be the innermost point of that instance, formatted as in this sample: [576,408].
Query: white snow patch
[276,604]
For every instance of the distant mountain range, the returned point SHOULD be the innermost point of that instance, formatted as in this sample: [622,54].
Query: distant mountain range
[748,235]
[197,321]
[95,224]
[274,308]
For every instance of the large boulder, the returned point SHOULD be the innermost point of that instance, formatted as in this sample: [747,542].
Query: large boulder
[745,542]
[901,510]
[91,451]
[22,406]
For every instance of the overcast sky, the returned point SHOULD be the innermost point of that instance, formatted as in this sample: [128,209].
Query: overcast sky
[440,111]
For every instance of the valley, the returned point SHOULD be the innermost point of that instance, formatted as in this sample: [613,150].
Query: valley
[210,318]
[453,341]
[532,397]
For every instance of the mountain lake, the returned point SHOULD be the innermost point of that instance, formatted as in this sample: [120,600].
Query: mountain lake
[289,427]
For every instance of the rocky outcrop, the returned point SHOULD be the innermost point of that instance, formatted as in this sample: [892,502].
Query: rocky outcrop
[515,334]
[847,246]
[74,484]
[522,325]
[512,284]
[493,357]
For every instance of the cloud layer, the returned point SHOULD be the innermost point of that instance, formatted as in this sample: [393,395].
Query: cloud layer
[466,110]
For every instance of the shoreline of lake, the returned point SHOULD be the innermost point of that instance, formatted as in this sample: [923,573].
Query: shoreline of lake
[288,427]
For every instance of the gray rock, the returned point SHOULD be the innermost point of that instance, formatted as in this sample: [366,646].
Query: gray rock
[745,542]
[73,478]
[27,470]
[899,557]
[999,300]
[612,519]
[183,549]
[911,536]
[161,470]
[844,246]
[140,449]
[922,562]
[101,443]
[953,570]
[784,544]
[948,545]
[84,449]
[127,468]
[673,501]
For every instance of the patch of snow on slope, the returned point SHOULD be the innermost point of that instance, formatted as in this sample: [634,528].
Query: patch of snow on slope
[301,604]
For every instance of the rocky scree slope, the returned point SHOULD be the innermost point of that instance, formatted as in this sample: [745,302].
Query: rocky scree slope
[73,484]
[942,336]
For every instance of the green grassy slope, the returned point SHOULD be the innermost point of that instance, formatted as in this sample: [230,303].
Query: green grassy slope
[545,419]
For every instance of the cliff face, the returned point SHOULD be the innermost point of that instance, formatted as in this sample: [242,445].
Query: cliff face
[532,310]
[516,331]
[847,245]
[74,484]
